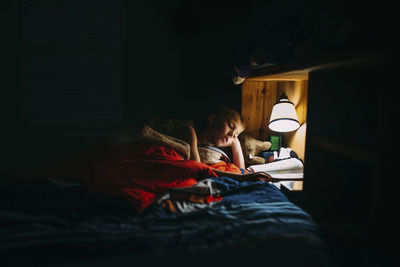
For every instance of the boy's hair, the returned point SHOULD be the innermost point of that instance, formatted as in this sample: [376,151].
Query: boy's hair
[226,112]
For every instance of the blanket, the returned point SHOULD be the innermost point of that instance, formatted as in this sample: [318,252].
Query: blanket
[140,172]
[253,223]
[166,151]
[187,199]
[139,169]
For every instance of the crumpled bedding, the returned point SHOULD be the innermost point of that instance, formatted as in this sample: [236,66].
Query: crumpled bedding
[189,199]
[254,219]
[140,172]
[141,169]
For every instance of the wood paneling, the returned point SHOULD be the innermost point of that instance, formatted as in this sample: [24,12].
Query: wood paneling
[258,98]
[255,106]
[296,140]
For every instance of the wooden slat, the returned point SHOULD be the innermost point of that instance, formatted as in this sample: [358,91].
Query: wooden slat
[253,106]
[299,75]
[295,72]
[271,97]
[297,186]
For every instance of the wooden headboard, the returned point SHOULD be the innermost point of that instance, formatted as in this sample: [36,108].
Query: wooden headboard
[259,95]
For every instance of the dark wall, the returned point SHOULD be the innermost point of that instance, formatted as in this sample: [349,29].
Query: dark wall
[178,55]
[8,67]
[63,78]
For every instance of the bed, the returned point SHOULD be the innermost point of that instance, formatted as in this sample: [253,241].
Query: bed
[64,222]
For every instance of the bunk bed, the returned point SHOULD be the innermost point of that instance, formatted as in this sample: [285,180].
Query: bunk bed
[57,221]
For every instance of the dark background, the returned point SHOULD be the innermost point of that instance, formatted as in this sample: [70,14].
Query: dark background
[75,71]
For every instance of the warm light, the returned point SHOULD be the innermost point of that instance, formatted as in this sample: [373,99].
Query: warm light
[283,117]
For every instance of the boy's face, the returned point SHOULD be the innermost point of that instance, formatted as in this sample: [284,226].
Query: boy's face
[224,130]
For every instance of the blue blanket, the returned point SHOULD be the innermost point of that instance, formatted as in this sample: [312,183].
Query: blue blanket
[249,210]
[250,213]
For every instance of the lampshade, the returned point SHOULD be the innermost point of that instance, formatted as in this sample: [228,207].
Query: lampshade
[283,117]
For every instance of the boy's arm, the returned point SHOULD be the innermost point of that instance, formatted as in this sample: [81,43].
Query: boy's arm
[188,134]
[237,154]
[194,152]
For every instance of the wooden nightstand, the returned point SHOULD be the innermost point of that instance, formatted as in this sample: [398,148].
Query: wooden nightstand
[291,185]
[291,179]
[295,194]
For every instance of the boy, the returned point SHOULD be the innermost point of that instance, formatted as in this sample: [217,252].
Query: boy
[222,128]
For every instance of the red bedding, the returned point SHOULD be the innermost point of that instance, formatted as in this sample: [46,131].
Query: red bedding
[137,172]
[224,166]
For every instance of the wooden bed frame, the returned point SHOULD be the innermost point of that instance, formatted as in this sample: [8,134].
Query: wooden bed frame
[345,106]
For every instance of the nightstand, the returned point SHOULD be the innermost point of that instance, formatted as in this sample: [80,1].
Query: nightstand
[291,185]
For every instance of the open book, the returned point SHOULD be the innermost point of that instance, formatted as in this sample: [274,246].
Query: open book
[286,169]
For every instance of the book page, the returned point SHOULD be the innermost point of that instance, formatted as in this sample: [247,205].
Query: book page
[294,174]
[285,164]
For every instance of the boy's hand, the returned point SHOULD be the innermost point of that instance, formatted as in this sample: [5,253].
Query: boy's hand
[257,176]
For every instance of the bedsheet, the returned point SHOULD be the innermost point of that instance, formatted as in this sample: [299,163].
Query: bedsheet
[254,219]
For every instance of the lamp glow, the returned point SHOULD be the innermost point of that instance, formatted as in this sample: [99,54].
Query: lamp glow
[283,117]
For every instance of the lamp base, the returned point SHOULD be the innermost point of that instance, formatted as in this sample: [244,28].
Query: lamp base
[276,142]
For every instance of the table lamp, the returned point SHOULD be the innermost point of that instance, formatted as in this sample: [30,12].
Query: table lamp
[283,117]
